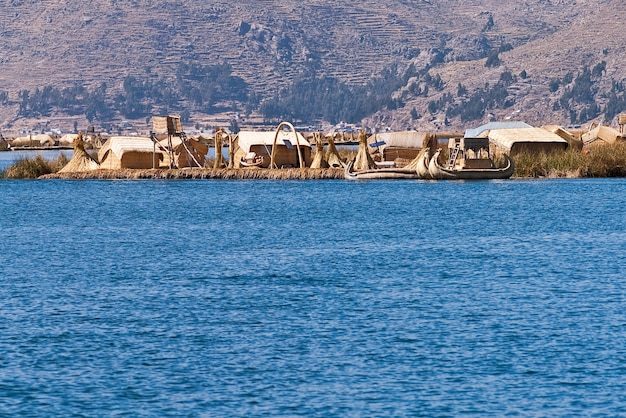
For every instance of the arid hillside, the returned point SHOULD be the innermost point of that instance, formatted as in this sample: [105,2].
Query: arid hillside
[541,47]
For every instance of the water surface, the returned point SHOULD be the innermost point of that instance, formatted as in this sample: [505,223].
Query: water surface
[248,298]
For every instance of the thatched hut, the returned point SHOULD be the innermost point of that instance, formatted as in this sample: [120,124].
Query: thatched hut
[525,140]
[252,145]
[391,146]
[129,152]
[571,139]
[602,135]
[68,140]
[39,140]
[191,153]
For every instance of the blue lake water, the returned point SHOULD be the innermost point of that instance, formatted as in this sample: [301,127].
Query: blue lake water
[318,298]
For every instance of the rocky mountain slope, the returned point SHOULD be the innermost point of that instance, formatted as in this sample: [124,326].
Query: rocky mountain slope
[538,44]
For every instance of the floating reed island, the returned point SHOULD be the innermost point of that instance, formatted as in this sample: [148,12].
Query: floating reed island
[546,152]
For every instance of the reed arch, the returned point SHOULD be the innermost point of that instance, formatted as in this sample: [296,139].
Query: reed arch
[290,126]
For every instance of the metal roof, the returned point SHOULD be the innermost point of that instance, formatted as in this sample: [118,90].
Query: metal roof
[476,132]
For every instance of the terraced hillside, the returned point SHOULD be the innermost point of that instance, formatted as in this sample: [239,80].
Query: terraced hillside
[268,43]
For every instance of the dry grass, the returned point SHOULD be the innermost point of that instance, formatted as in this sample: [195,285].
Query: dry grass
[596,161]
[32,168]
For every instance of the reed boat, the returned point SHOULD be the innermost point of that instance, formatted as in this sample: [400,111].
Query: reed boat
[251,160]
[422,165]
[469,160]
[379,173]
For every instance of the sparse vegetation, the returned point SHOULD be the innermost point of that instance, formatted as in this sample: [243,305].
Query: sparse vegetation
[32,168]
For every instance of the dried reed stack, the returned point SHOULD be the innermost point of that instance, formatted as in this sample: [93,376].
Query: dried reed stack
[430,142]
[332,155]
[318,160]
[363,160]
[81,161]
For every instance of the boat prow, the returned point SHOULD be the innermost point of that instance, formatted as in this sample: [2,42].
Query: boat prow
[379,174]
[422,165]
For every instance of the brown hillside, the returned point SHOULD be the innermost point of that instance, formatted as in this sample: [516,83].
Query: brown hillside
[53,42]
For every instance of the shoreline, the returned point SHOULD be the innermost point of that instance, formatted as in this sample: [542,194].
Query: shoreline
[203,174]
[250,174]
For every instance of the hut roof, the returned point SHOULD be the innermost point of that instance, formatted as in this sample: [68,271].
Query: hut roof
[407,139]
[602,133]
[563,133]
[177,143]
[505,138]
[21,140]
[478,132]
[123,144]
[68,139]
[249,138]
[42,139]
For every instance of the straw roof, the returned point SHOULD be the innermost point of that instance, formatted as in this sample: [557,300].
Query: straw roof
[566,135]
[36,140]
[68,139]
[181,157]
[120,145]
[406,139]
[506,138]
[603,134]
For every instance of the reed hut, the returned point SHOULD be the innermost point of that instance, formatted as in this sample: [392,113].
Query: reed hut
[68,140]
[525,140]
[602,135]
[251,146]
[392,146]
[129,152]
[44,140]
[190,153]
[81,161]
[571,139]
[35,141]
